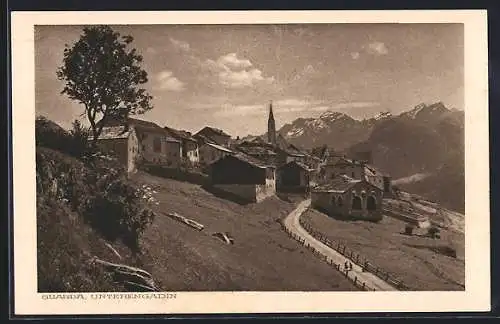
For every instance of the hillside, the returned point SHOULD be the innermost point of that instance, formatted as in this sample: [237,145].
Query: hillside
[416,260]
[425,141]
[262,258]
[83,206]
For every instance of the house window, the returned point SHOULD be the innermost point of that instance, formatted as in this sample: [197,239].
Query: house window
[157,144]
[334,201]
[371,203]
[340,202]
[353,175]
[356,203]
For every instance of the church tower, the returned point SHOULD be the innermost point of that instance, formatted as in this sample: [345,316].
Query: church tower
[271,126]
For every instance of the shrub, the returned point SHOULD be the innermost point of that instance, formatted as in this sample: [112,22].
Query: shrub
[80,146]
[117,209]
[98,190]
[433,232]
[51,135]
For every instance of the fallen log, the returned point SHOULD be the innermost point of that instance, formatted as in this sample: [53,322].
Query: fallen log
[129,275]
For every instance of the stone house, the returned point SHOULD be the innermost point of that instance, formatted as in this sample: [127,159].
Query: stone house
[294,177]
[155,146]
[121,142]
[215,135]
[342,166]
[210,152]
[348,198]
[244,177]
[378,179]
[189,145]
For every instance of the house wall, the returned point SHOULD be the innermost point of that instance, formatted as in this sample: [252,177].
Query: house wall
[117,147]
[377,181]
[247,192]
[328,202]
[234,171]
[269,189]
[353,171]
[209,154]
[133,152]
[191,151]
[293,177]
[168,153]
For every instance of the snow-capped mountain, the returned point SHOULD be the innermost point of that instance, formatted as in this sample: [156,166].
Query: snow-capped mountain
[425,139]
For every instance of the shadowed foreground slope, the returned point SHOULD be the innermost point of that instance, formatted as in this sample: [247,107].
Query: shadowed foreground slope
[263,257]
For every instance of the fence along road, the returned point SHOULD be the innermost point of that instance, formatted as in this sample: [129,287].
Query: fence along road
[292,223]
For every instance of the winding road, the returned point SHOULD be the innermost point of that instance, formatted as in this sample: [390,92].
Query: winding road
[291,222]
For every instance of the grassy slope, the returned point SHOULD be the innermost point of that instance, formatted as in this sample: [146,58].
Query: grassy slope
[65,247]
[263,257]
[382,244]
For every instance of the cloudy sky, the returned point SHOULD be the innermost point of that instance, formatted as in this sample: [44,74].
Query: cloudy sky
[225,75]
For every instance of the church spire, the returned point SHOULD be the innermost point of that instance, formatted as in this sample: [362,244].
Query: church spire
[271,126]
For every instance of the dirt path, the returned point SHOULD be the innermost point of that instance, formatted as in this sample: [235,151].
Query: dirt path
[291,222]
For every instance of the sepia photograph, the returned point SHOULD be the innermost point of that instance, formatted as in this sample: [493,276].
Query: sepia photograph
[237,157]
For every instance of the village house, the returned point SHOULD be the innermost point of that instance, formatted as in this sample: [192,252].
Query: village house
[294,177]
[276,150]
[357,170]
[339,166]
[244,177]
[258,150]
[189,145]
[121,142]
[210,152]
[215,135]
[155,146]
[348,198]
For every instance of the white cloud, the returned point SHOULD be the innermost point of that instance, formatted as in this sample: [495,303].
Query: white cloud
[236,73]
[295,102]
[377,48]
[232,61]
[167,81]
[355,55]
[345,105]
[242,79]
[181,45]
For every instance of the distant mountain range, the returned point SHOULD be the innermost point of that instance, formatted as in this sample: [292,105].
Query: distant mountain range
[422,149]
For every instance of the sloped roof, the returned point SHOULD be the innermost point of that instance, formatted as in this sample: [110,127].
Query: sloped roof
[219,147]
[203,139]
[180,134]
[255,150]
[339,184]
[371,170]
[245,159]
[251,160]
[214,130]
[299,164]
[114,132]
